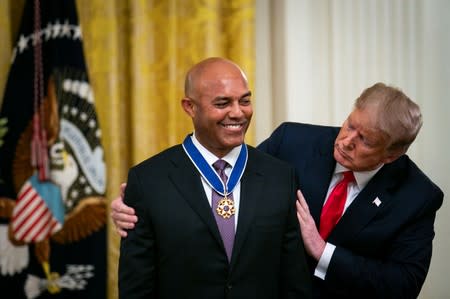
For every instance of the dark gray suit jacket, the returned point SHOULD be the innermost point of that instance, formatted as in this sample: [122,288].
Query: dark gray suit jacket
[382,251]
[176,250]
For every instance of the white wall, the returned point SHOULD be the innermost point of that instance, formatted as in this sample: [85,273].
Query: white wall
[434,139]
[314,57]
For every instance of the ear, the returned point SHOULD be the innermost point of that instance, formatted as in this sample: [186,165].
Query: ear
[393,155]
[188,106]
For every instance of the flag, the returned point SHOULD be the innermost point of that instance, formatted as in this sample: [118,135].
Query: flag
[52,170]
[38,212]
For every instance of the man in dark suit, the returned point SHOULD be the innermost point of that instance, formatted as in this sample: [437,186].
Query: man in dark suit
[380,244]
[200,234]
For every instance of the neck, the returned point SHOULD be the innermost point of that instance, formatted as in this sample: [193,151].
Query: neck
[218,152]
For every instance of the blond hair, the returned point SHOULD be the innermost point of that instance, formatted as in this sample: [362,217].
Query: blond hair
[396,114]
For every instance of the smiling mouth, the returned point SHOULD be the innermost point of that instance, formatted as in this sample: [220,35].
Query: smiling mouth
[233,126]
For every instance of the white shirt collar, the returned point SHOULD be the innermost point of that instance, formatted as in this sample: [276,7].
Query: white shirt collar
[230,158]
[361,177]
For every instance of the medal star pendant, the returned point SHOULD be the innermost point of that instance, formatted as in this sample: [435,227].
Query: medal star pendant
[225,208]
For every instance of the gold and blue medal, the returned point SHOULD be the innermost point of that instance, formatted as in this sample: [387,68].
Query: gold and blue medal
[225,207]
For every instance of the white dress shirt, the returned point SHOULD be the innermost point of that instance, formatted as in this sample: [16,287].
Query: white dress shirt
[361,178]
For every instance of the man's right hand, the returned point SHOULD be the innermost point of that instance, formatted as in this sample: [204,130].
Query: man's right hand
[122,215]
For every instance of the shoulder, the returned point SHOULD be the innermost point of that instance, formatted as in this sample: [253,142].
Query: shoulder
[412,172]
[295,128]
[290,139]
[162,160]
[264,161]
[411,180]
[291,133]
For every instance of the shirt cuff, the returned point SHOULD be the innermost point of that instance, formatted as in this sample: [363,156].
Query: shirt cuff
[324,261]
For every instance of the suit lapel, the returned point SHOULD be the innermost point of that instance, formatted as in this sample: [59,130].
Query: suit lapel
[371,200]
[251,190]
[315,178]
[186,177]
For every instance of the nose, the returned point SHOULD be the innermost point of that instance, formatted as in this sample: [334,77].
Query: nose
[348,141]
[236,110]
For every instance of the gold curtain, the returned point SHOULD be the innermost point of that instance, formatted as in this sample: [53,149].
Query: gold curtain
[137,52]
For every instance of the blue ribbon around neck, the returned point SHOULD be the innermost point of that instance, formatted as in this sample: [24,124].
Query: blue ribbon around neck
[208,172]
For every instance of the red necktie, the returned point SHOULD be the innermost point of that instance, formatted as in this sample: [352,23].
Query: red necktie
[334,206]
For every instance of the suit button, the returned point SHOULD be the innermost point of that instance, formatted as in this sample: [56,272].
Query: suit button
[229,287]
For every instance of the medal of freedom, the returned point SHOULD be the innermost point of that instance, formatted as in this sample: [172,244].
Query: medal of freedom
[225,208]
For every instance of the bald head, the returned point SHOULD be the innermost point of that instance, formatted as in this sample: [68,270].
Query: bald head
[218,100]
[208,71]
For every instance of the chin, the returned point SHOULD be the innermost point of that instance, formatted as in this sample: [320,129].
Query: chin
[237,143]
[341,160]
[232,144]
[234,139]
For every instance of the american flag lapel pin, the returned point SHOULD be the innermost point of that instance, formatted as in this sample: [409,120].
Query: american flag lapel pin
[377,202]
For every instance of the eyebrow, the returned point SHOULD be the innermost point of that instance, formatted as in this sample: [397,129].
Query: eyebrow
[247,94]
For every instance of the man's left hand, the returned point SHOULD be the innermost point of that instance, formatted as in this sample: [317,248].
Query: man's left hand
[314,244]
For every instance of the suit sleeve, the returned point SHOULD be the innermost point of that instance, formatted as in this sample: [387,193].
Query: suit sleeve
[295,278]
[271,144]
[137,250]
[401,271]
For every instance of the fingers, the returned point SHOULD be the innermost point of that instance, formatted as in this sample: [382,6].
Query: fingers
[122,222]
[122,189]
[121,232]
[300,205]
[299,215]
[301,200]
[122,215]
[117,206]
